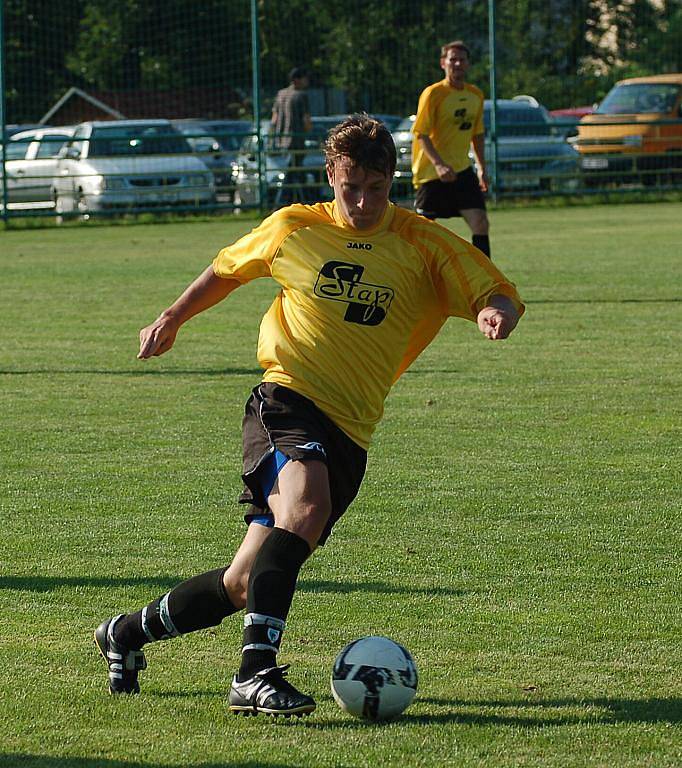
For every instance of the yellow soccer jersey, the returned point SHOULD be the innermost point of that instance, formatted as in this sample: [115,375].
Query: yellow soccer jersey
[356,307]
[450,117]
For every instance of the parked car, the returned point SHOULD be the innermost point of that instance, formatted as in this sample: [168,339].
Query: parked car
[121,165]
[390,121]
[31,163]
[532,155]
[217,143]
[635,133]
[402,138]
[567,118]
[13,128]
[276,163]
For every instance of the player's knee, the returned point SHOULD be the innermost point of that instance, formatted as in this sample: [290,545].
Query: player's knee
[307,521]
[236,585]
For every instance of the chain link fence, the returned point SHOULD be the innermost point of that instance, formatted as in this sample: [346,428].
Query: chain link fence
[142,105]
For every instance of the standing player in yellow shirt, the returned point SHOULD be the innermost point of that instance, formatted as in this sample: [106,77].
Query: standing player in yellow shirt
[449,121]
[365,286]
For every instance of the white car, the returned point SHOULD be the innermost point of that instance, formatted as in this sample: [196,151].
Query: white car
[31,162]
[129,166]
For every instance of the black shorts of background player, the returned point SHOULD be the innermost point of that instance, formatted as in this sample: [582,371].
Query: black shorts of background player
[445,199]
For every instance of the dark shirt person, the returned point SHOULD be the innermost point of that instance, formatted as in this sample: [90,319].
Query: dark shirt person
[290,122]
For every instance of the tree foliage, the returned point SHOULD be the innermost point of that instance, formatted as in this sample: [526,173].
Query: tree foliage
[379,53]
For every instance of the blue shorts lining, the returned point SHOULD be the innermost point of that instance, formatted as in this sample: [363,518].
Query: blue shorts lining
[270,470]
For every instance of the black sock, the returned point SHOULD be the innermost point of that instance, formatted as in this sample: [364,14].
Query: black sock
[482,242]
[197,603]
[271,589]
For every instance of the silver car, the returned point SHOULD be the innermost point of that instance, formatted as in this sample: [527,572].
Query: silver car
[31,163]
[217,143]
[129,165]
[532,154]
[278,191]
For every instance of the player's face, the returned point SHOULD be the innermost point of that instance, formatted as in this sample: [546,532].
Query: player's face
[455,64]
[361,196]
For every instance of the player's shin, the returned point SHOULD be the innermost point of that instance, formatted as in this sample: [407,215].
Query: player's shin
[272,583]
[197,603]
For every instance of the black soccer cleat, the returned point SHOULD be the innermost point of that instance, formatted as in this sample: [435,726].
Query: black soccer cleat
[124,663]
[268,692]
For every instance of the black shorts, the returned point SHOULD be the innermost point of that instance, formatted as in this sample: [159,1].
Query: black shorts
[281,422]
[444,199]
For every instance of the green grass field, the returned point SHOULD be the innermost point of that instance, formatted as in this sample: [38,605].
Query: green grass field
[518,531]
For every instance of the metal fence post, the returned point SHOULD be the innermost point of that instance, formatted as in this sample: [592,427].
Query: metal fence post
[3,118]
[493,97]
[255,67]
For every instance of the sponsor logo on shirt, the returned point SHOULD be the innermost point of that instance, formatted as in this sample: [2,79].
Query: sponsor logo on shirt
[360,246]
[367,303]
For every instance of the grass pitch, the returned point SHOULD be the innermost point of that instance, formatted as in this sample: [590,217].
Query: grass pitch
[518,531]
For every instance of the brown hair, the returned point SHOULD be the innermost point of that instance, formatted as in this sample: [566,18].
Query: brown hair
[366,142]
[454,44]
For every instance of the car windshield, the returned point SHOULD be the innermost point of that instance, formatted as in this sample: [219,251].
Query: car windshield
[313,140]
[117,141]
[229,137]
[518,122]
[639,98]
[16,148]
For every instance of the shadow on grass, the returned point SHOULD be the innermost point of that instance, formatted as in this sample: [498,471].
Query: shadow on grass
[141,371]
[670,300]
[164,583]
[45,761]
[377,587]
[52,583]
[531,713]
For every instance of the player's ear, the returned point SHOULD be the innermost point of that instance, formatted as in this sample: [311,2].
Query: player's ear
[330,173]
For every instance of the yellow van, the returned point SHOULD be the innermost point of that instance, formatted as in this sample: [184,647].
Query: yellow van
[636,131]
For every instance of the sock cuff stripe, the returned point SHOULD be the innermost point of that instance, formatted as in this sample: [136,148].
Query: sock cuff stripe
[145,625]
[251,619]
[259,647]
[164,615]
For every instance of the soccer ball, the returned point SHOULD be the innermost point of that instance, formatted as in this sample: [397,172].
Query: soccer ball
[374,678]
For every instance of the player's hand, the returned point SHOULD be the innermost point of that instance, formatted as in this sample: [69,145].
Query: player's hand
[445,172]
[158,337]
[496,323]
[483,181]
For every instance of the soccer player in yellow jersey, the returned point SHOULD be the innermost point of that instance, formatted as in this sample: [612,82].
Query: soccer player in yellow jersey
[365,286]
[449,121]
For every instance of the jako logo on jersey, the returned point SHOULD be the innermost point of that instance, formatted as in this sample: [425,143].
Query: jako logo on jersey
[367,303]
[313,447]
[359,246]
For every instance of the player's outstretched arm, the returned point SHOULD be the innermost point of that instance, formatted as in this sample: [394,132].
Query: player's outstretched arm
[206,291]
[499,318]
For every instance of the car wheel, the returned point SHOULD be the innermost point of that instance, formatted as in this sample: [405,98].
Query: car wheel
[237,201]
[82,207]
[63,207]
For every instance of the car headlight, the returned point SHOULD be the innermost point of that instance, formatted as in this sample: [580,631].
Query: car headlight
[634,140]
[95,183]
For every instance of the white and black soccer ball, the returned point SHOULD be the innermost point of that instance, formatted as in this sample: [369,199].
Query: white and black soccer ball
[374,678]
